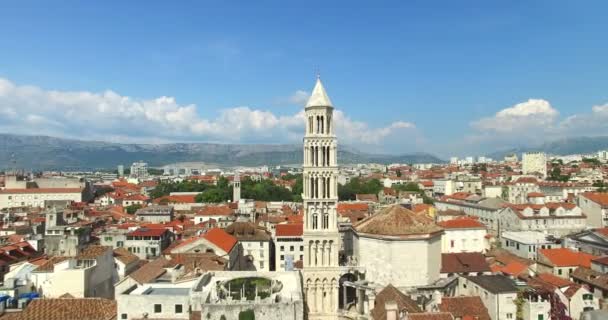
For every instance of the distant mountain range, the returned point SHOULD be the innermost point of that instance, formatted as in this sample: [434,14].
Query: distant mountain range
[576,145]
[49,153]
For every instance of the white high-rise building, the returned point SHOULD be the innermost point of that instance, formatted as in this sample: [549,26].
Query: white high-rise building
[534,162]
[320,197]
[454,160]
[139,170]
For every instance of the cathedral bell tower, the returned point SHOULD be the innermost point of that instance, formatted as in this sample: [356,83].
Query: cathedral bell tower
[320,198]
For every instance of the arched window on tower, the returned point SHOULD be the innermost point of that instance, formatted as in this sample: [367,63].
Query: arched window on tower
[329,124]
[310,124]
[318,125]
[325,220]
[315,219]
[322,124]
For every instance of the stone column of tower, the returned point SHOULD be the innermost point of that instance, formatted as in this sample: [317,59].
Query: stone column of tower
[236,188]
[321,271]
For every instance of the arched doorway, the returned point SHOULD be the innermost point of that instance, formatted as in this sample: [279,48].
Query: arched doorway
[349,291]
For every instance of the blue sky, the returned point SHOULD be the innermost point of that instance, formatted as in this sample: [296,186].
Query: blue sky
[446,77]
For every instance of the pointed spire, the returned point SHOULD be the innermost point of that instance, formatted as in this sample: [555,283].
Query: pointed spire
[319,97]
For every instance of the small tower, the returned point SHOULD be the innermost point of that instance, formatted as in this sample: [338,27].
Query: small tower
[236,188]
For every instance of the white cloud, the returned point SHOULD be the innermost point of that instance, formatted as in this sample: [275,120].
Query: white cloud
[360,132]
[299,98]
[110,116]
[532,114]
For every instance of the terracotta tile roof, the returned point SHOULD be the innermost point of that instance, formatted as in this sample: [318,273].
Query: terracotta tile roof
[591,277]
[427,183]
[176,199]
[600,198]
[289,230]
[215,211]
[563,257]
[397,221]
[601,260]
[505,257]
[526,180]
[221,238]
[206,261]
[92,252]
[536,195]
[461,307]
[554,280]
[353,206]
[41,190]
[430,316]
[123,255]
[150,271]
[463,262]
[421,207]
[513,268]
[248,231]
[572,290]
[451,212]
[462,223]
[70,309]
[49,265]
[147,232]
[390,293]
[136,197]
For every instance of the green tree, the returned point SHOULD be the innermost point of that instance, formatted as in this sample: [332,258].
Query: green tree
[133,208]
[356,186]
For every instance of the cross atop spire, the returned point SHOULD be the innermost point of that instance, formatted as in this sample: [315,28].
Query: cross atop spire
[319,97]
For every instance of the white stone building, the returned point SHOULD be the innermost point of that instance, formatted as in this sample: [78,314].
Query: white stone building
[534,163]
[399,247]
[498,293]
[89,274]
[557,219]
[526,244]
[463,235]
[35,197]
[155,214]
[289,246]
[595,206]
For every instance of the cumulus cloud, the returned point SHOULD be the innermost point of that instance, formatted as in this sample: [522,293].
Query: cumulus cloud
[111,116]
[300,97]
[534,113]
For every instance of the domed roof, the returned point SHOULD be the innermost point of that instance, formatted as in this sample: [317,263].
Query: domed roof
[397,221]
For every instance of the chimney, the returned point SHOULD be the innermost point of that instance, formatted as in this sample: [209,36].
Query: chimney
[392,311]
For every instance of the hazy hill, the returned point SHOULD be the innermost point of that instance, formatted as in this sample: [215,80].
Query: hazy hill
[43,152]
[575,145]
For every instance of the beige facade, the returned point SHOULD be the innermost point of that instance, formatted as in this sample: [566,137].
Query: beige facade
[321,237]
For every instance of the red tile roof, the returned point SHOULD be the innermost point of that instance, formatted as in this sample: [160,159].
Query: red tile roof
[554,280]
[536,195]
[563,257]
[354,206]
[463,262]
[290,230]
[147,232]
[215,211]
[176,199]
[461,307]
[597,197]
[513,268]
[221,238]
[462,223]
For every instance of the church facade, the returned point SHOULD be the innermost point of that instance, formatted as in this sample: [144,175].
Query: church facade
[321,271]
